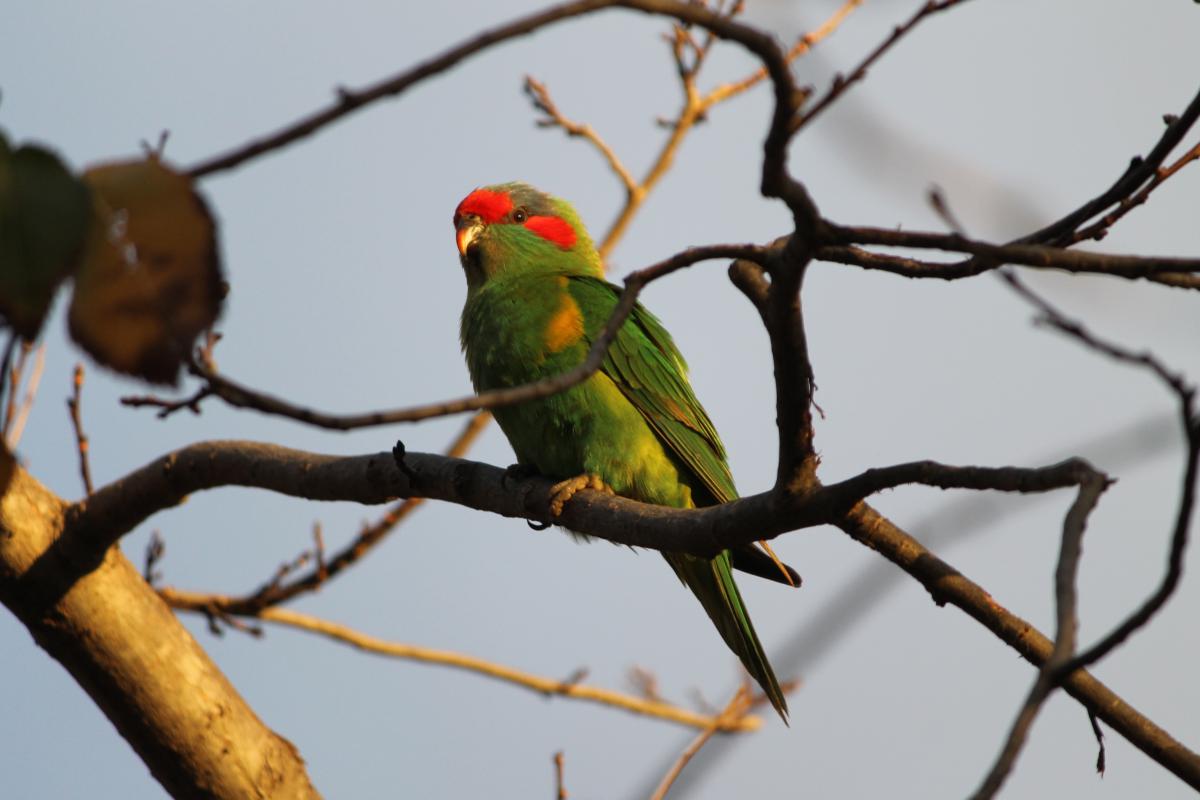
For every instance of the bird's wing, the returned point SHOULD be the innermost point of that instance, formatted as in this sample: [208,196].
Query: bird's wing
[648,369]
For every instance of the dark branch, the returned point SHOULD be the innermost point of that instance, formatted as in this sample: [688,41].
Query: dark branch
[1067,625]
[243,397]
[842,83]
[1031,255]
[95,523]
[347,101]
[946,585]
[1185,394]
[1140,170]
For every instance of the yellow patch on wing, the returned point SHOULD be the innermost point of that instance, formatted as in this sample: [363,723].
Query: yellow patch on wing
[565,327]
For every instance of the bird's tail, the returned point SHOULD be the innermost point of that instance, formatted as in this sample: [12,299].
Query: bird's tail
[712,583]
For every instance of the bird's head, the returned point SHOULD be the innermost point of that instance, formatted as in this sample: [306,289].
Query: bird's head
[513,227]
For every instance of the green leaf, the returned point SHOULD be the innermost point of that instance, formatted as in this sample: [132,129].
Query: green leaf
[43,222]
[150,281]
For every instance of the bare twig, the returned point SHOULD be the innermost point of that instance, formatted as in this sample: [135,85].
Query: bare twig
[157,149]
[993,255]
[947,585]
[204,357]
[1185,394]
[542,101]
[278,591]
[244,397]
[1067,624]
[12,374]
[155,550]
[549,687]
[1054,318]
[842,83]
[645,682]
[737,707]
[347,101]
[560,788]
[168,407]
[31,387]
[1099,229]
[1140,170]
[1099,734]
[802,46]
[5,385]
[81,439]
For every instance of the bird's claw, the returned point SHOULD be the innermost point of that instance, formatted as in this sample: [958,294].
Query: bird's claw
[563,491]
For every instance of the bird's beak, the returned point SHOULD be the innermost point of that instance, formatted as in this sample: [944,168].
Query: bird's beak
[468,230]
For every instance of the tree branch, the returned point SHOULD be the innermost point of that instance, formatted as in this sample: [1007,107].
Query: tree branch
[1186,395]
[1067,625]
[549,687]
[737,708]
[277,591]
[947,585]
[99,520]
[1032,255]
[842,83]
[132,656]
[348,101]
[243,397]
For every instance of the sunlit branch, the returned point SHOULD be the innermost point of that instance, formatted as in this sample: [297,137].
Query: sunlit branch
[550,687]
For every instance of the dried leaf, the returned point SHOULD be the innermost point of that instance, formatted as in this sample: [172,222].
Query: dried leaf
[43,221]
[150,281]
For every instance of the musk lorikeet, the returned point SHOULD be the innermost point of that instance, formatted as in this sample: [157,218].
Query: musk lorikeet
[536,299]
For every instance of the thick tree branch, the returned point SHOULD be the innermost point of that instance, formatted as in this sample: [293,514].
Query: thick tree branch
[946,585]
[277,590]
[97,521]
[130,654]
[794,381]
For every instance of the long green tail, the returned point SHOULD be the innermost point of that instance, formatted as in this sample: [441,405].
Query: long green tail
[712,583]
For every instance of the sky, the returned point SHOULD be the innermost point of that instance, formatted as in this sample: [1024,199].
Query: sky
[345,295]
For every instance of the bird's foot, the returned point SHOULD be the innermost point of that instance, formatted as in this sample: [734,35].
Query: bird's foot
[563,491]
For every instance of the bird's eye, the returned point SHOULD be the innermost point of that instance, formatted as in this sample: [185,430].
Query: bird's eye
[519,215]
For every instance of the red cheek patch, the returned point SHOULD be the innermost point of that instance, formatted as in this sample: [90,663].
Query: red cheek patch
[489,206]
[553,229]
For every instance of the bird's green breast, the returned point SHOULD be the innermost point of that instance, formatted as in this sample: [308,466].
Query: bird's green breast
[522,329]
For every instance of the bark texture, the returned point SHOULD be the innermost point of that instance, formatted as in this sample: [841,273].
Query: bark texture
[141,666]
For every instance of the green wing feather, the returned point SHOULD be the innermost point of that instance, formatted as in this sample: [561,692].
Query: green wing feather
[645,364]
[648,369]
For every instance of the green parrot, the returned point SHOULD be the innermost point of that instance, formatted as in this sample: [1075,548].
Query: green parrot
[536,300]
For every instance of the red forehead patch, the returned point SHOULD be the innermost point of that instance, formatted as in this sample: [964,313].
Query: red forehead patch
[489,206]
[553,229]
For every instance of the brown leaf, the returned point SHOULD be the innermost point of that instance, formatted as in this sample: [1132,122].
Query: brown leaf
[150,281]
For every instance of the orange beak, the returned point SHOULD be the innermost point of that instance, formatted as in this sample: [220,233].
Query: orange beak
[467,231]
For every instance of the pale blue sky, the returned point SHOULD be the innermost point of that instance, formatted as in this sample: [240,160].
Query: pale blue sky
[345,296]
